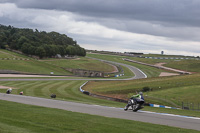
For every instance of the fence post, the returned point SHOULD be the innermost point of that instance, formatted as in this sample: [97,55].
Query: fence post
[192,106]
[182,105]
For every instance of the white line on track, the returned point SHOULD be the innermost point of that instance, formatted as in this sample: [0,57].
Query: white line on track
[149,112]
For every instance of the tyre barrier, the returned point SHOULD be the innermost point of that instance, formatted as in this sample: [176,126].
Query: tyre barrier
[119,75]
[14,59]
[53,95]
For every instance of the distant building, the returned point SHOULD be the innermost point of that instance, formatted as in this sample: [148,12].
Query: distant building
[133,53]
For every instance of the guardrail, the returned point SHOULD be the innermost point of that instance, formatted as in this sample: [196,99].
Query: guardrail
[162,106]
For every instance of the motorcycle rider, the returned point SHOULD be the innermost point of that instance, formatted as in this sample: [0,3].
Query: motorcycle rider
[134,97]
[9,91]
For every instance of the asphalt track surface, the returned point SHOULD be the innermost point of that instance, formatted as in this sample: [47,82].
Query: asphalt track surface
[143,116]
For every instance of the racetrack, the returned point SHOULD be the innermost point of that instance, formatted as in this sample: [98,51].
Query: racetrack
[143,116]
[150,117]
[138,75]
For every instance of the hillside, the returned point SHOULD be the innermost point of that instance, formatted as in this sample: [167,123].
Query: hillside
[17,63]
[14,62]
[165,91]
[39,43]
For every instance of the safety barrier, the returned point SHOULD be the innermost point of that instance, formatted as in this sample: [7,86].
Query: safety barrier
[161,106]
[83,91]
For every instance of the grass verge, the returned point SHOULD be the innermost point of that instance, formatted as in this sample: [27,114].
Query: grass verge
[175,89]
[21,118]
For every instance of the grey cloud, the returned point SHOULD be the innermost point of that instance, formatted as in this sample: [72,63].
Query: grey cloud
[171,11]
[176,19]
[136,16]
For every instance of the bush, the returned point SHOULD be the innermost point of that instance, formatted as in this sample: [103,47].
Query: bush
[145,89]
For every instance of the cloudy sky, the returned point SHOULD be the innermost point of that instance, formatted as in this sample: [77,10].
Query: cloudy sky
[148,26]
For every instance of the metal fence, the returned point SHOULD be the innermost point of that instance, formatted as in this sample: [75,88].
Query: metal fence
[186,105]
[191,106]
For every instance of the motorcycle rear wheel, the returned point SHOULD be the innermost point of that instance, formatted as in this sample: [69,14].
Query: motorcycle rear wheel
[136,107]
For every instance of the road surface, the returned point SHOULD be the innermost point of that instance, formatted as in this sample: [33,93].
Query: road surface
[162,119]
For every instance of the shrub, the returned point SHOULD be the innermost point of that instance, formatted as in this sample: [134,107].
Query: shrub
[145,89]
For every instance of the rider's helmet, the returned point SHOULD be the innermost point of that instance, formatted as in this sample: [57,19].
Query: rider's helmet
[140,93]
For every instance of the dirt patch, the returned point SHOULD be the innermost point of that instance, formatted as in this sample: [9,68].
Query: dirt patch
[162,74]
[76,59]
[5,87]
[160,64]
[21,75]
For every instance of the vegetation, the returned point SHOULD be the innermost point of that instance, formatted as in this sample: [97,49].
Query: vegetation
[23,64]
[149,71]
[64,90]
[190,65]
[186,65]
[81,63]
[37,43]
[165,91]
[29,118]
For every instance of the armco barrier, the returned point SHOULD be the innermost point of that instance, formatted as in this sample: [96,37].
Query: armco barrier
[83,91]
[161,106]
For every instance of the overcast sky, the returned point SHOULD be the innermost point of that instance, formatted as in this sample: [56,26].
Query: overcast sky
[148,26]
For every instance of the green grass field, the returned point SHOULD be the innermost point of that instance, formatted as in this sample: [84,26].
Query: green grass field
[149,71]
[187,65]
[64,90]
[29,65]
[190,65]
[21,118]
[21,63]
[165,90]
[81,63]
[32,67]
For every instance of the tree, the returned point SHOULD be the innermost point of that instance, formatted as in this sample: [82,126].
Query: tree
[32,50]
[31,41]
[71,50]
[40,52]
[62,50]
[21,41]
[25,48]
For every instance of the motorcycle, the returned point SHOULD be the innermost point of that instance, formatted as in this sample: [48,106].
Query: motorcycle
[9,91]
[137,105]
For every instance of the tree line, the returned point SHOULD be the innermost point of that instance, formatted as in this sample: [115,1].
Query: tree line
[38,43]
